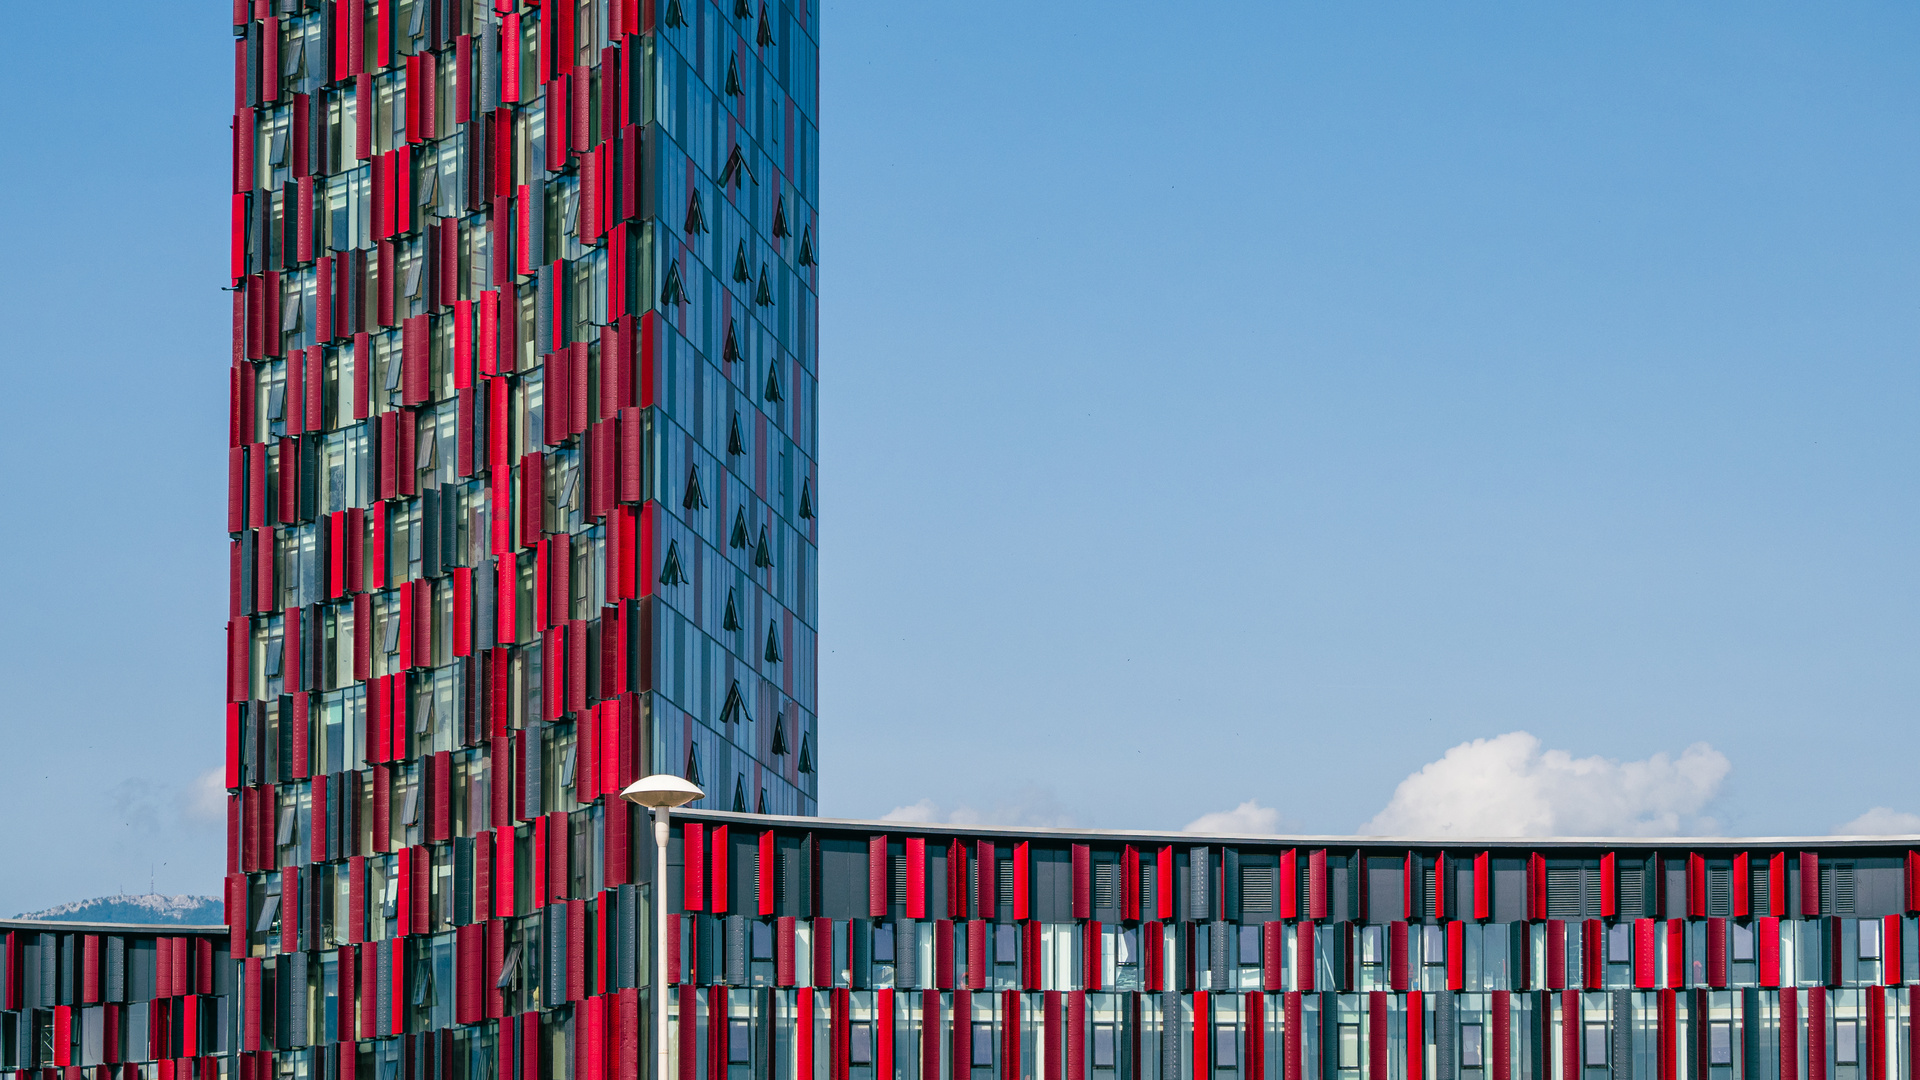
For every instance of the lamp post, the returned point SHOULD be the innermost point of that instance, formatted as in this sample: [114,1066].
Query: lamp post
[660,793]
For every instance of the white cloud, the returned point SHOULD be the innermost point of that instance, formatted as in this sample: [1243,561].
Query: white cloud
[922,811]
[205,800]
[1881,821]
[1248,817]
[1031,807]
[1509,786]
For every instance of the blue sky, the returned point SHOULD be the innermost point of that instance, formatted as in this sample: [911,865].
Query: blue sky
[1219,403]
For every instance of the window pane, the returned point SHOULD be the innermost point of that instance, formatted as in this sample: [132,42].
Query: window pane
[1620,943]
[1470,1046]
[1869,939]
[1225,1047]
[1720,1043]
[1349,1046]
[982,1045]
[860,1043]
[739,1042]
[1006,944]
[1103,1046]
[883,944]
[1370,944]
[1742,942]
[1250,945]
[1846,1042]
[1597,1044]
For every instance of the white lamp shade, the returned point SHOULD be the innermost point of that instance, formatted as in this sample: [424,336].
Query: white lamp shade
[662,789]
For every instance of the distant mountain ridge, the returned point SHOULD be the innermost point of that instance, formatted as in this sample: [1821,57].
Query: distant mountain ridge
[144,908]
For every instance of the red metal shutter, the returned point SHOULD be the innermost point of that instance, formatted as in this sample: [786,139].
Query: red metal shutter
[986,899]
[1810,902]
[694,872]
[942,954]
[1092,952]
[1289,884]
[1816,1029]
[1082,881]
[1397,955]
[721,863]
[1593,957]
[1742,885]
[1767,929]
[783,966]
[823,970]
[1483,885]
[1456,956]
[1163,879]
[916,856]
[1130,884]
[1676,953]
[877,876]
[977,933]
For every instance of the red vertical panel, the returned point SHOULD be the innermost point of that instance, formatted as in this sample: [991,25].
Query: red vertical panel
[783,968]
[1483,885]
[1201,1033]
[1676,953]
[1456,956]
[1291,1026]
[1696,886]
[1317,884]
[1810,906]
[986,903]
[1816,1032]
[1022,861]
[1646,973]
[1570,1032]
[1716,952]
[877,876]
[1304,968]
[1875,1058]
[90,969]
[1742,889]
[1290,884]
[1593,957]
[1378,1059]
[823,960]
[1162,878]
[916,856]
[929,1045]
[1130,884]
[693,872]
[1890,949]
[942,954]
[1082,881]
[1789,1033]
[722,862]
[1767,930]
[1397,955]
[1273,951]
[763,879]
[688,1032]
[977,933]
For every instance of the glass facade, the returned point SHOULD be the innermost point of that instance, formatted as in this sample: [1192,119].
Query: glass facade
[117,1001]
[522,503]
[878,954]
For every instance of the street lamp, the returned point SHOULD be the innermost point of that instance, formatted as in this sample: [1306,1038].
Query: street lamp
[660,793]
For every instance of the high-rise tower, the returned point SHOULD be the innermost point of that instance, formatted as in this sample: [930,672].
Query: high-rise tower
[522,468]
